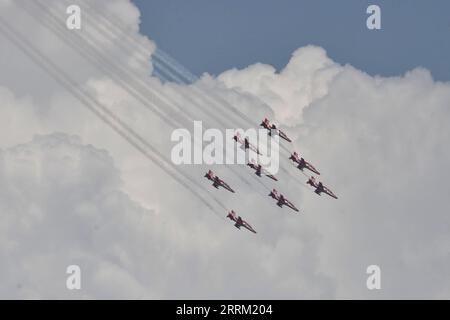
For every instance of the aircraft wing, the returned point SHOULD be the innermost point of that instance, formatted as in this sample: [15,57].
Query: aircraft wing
[280,203]
[238,223]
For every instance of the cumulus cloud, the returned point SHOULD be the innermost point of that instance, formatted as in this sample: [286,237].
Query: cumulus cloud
[84,196]
[62,204]
[304,79]
[381,143]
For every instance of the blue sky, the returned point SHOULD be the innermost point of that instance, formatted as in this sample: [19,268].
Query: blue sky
[213,36]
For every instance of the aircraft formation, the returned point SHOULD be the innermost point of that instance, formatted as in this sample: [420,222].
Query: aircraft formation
[280,199]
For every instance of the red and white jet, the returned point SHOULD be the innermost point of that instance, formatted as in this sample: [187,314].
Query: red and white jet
[302,163]
[247,145]
[217,182]
[270,126]
[260,170]
[239,222]
[320,187]
[281,200]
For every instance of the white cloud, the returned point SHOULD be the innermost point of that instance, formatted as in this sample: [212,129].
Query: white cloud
[86,197]
[62,204]
[381,145]
[304,79]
